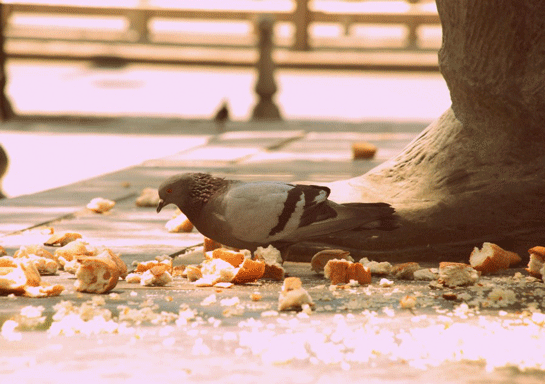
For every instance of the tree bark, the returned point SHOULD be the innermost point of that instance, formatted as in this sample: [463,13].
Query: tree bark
[478,172]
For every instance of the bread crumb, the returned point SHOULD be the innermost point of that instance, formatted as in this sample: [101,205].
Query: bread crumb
[179,224]
[249,272]
[100,205]
[405,271]
[256,296]
[157,276]
[133,278]
[62,239]
[425,274]
[457,274]
[210,245]
[383,268]
[537,261]
[294,300]
[407,302]
[193,273]
[232,257]
[149,197]
[273,262]
[385,283]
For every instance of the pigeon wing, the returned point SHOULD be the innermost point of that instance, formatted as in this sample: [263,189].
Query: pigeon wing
[263,212]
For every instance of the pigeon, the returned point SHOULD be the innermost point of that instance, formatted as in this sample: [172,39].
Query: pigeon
[247,215]
[221,117]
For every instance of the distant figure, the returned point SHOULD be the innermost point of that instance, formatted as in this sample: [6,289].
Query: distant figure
[222,115]
[3,168]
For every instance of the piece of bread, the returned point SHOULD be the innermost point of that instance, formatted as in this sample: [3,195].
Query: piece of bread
[457,274]
[342,271]
[147,265]
[273,262]
[115,257]
[383,268]
[44,290]
[336,271]
[359,273]
[405,271]
[249,272]
[291,283]
[537,261]
[491,258]
[407,302]
[149,197]
[425,274]
[96,275]
[133,278]
[293,296]
[7,261]
[320,259]
[16,278]
[179,224]
[100,205]
[37,250]
[232,257]
[71,251]
[44,265]
[210,245]
[157,276]
[193,273]
[62,239]
[363,150]
[215,271]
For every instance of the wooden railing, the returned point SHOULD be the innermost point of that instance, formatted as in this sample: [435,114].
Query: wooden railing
[301,13]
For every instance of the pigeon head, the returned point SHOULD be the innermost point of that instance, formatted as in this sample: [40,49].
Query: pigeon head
[189,191]
[175,190]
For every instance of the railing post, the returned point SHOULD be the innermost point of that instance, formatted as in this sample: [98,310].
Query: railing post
[138,19]
[301,19]
[265,87]
[6,112]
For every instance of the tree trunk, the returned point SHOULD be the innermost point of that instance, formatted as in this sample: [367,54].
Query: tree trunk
[478,172]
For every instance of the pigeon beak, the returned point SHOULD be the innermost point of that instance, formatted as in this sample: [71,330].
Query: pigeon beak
[160,205]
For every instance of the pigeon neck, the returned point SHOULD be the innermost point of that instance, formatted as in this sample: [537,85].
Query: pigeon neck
[203,188]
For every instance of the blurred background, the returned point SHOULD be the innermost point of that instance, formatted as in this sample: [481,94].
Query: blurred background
[338,60]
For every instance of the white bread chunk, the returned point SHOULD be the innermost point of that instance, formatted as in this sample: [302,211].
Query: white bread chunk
[405,271]
[96,275]
[149,197]
[537,261]
[157,276]
[457,274]
[72,251]
[383,268]
[426,274]
[100,205]
[61,239]
[37,250]
[273,262]
[293,296]
[44,265]
[491,258]
[179,224]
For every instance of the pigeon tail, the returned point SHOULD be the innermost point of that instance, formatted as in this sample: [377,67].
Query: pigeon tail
[385,218]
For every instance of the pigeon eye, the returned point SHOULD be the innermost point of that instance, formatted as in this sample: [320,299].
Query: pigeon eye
[169,190]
